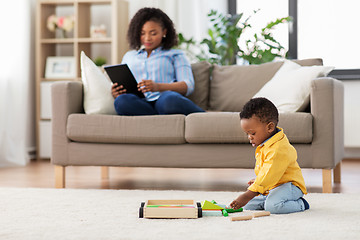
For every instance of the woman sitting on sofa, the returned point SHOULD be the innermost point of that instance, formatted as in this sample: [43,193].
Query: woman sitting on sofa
[163,74]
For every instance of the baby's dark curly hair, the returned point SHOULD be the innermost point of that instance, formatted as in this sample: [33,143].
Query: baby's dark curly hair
[156,15]
[261,108]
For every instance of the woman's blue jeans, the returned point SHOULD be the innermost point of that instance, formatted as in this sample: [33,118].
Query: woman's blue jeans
[169,102]
[282,199]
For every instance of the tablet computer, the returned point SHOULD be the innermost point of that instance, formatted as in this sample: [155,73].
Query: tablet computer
[122,75]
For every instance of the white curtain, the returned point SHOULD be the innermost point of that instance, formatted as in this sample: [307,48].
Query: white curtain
[16,82]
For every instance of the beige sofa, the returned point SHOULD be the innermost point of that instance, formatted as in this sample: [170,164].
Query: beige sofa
[200,140]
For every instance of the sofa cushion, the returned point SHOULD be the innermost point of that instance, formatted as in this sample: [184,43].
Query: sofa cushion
[224,127]
[214,127]
[201,72]
[155,129]
[232,86]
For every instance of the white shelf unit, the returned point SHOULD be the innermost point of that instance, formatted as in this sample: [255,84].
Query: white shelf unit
[112,13]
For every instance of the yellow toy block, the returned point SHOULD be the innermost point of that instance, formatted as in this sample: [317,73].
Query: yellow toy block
[206,205]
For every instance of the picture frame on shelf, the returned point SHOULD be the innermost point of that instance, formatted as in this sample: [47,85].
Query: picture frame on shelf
[98,31]
[60,67]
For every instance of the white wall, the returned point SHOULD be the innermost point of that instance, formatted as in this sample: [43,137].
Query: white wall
[352,118]
[189,16]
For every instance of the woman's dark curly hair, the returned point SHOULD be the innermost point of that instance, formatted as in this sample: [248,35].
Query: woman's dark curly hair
[156,15]
[261,108]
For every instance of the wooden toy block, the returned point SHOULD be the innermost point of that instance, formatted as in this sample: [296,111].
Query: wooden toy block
[249,217]
[241,218]
[261,214]
[170,209]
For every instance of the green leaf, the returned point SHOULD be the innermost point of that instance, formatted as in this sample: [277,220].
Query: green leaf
[222,44]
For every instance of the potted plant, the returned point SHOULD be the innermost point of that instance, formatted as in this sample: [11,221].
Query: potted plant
[222,44]
[99,61]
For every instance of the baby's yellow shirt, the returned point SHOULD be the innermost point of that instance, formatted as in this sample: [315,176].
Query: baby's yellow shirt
[276,164]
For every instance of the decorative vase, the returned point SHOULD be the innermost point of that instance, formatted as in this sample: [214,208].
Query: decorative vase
[63,33]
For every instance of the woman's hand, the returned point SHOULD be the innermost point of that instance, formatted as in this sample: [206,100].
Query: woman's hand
[117,90]
[148,86]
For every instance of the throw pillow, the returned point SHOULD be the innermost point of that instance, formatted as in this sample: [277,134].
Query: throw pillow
[232,86]
[97,88]
[201,72]
[290,87]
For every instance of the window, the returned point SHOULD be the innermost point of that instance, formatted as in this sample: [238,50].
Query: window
[328,29]
[321,29]
[267,12]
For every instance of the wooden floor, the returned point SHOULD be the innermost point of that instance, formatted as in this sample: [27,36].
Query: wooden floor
[40,174]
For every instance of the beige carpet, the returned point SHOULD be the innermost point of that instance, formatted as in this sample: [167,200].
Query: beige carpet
[113,214]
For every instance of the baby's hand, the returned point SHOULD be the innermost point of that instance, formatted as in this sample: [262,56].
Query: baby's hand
[251,182]
[243,199]
[235,204]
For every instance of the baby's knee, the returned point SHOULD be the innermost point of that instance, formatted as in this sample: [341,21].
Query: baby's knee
[273,207]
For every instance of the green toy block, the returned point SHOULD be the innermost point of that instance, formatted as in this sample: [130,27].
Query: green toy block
[231,210]
[226,211]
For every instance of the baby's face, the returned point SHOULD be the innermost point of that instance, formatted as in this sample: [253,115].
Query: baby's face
[256,130]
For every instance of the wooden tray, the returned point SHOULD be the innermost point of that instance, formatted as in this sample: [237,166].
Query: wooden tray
[170,209]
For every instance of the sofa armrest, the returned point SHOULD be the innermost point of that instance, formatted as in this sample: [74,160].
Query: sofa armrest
[327,108]
[67,98]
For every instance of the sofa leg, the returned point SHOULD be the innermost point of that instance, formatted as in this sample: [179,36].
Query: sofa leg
[104,173]
[59,176]
[327,181]
[337,173]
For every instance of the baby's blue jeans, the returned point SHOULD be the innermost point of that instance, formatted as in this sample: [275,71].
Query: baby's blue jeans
[169,102]
[282,199]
